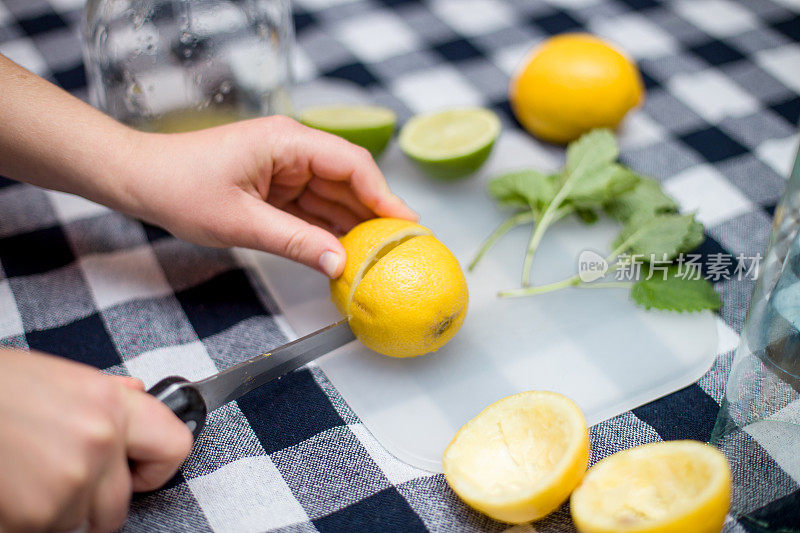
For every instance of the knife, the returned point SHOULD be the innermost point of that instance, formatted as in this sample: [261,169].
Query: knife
[191,401]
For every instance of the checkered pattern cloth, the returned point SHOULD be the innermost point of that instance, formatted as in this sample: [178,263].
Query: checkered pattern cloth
[719,129]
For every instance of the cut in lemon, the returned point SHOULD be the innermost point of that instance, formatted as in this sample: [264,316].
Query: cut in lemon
[450,144]
[367,126]
[677,486]
[520,458]
[403,292]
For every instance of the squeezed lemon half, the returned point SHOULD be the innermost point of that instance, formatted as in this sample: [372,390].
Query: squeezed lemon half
[403,292]
[520,458]
[664,487]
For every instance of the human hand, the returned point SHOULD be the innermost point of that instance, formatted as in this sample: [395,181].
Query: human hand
[67,435]
[270,184]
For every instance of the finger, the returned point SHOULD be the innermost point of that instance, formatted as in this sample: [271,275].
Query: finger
[75,511]
[333,158]
[339,216]
[261,226]
[157,442]
[129,382]
[311,218]
[280,195]
[340,192]
[112,496]
[75,514]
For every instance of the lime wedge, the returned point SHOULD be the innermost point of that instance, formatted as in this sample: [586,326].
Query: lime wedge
[367,126]
[450,144]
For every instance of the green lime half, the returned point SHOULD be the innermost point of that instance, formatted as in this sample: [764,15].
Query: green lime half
[450,144]
[367,126]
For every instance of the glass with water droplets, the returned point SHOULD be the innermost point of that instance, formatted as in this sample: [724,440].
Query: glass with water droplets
[758,426]
[181,65]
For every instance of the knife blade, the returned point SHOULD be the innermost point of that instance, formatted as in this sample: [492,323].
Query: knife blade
[192,401]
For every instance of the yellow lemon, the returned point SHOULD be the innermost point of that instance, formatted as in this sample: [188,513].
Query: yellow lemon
[572,83]
[520,458]
[664,487]
[403,292]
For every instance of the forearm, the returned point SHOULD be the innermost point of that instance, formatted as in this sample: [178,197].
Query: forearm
[52,139]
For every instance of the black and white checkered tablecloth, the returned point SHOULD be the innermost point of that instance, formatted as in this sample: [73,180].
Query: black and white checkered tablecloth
[719,128]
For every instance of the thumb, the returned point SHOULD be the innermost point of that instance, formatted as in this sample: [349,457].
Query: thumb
[129,382]
[273,230]
[157,441]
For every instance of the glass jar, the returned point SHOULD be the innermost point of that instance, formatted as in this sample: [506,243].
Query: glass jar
[180,65]
[758,426]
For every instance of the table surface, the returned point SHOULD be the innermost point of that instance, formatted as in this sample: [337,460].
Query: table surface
[718,129]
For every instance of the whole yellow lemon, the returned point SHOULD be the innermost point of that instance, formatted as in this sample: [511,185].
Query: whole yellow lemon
[572,83]
[402,290]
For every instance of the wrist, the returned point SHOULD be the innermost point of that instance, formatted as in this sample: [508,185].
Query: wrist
[109,174]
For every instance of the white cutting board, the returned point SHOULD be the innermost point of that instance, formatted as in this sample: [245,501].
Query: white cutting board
[594,346]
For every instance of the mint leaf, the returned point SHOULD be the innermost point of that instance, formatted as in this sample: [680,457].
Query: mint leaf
[645,197]
[587,216]
[597,148]
[694,237]
[601,186]
[660,236]
[526,188]
[675,293]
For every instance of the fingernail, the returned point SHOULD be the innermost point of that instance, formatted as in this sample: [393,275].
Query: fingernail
[329,263]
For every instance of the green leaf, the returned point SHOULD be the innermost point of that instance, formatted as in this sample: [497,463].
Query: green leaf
[694,237]
[587,216]
[660,236]
[526,188]
[645,197]
[597,148]
[602,185]
[675,293]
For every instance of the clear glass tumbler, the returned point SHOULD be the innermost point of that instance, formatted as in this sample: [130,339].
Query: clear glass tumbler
[179,65]
[758,426]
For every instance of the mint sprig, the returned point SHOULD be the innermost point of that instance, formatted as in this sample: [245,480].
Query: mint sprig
[584,176]
[592,182]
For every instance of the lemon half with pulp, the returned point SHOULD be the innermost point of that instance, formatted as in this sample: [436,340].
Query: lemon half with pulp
[402,290]
[520,458]
[664,487]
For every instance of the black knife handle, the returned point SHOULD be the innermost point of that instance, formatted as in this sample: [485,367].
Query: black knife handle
[184,400]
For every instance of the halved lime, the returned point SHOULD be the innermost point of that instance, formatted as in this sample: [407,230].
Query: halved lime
[367,126]
[450,144]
